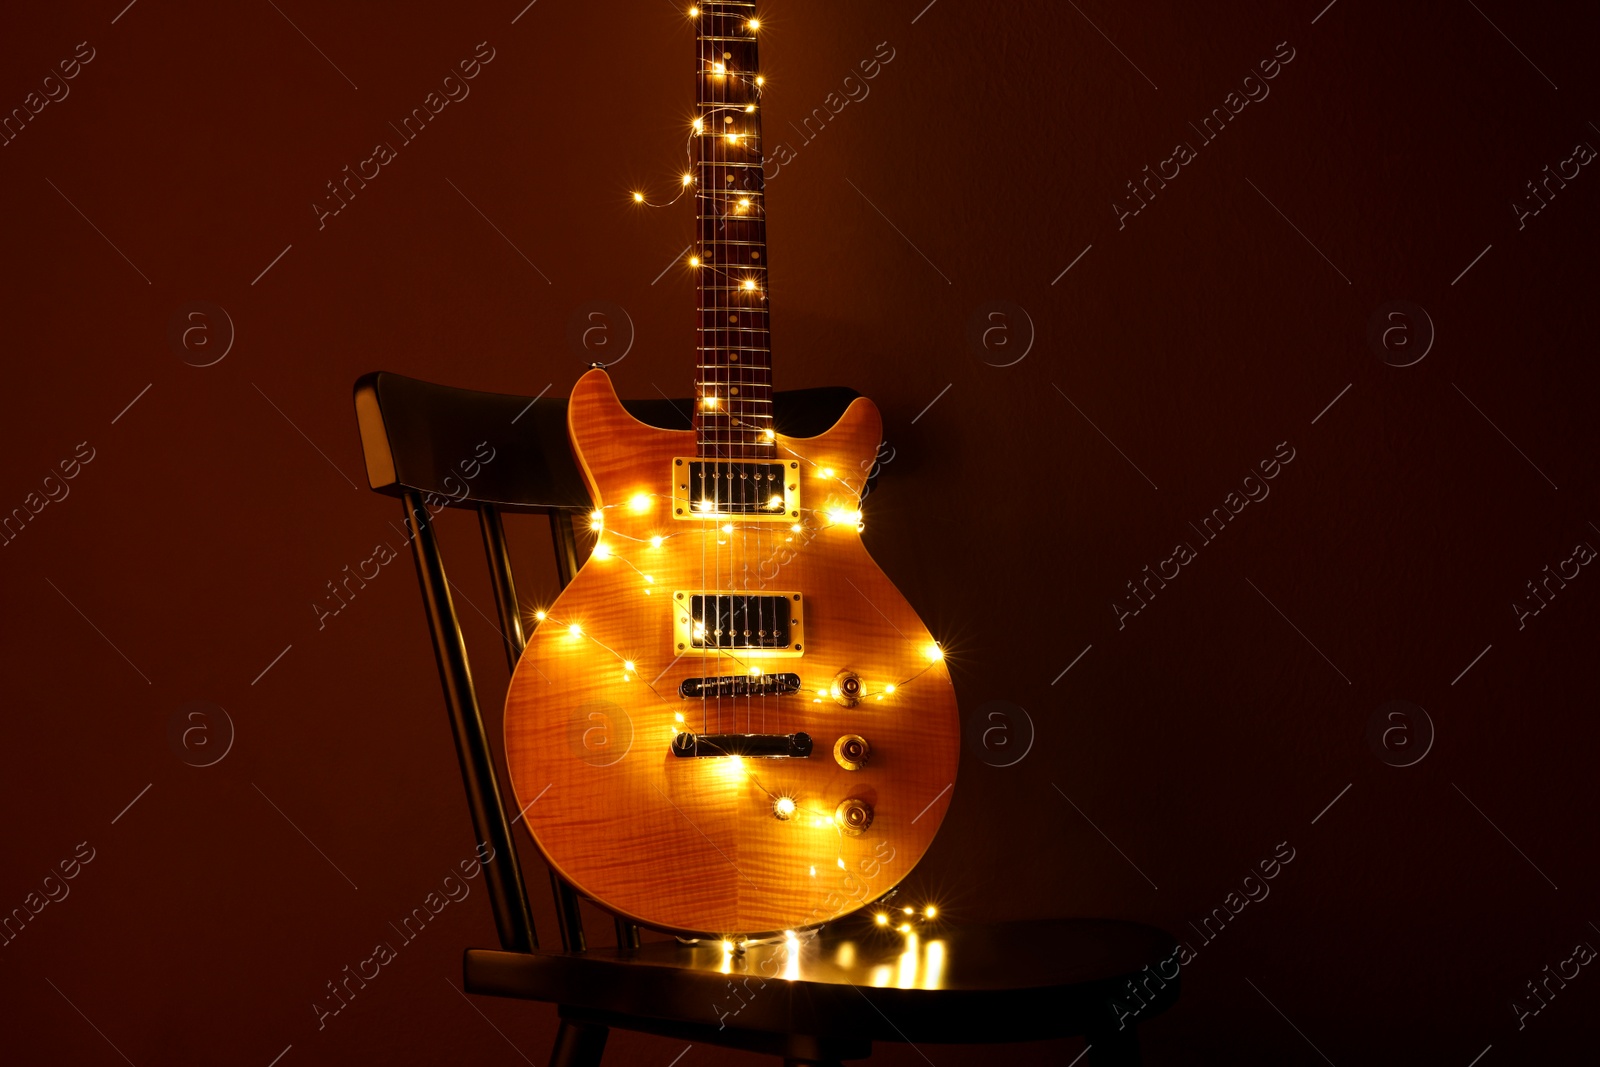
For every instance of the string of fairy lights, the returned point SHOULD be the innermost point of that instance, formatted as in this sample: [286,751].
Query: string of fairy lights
[614,547]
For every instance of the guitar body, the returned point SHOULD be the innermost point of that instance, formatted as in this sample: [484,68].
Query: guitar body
[715,843]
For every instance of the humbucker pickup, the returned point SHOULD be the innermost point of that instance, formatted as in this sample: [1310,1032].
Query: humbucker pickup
[746,622]
[739,685]
[750,490]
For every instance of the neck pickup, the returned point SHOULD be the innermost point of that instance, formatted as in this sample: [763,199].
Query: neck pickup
[742,488]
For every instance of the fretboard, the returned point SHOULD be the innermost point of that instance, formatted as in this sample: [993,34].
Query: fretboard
[733,412]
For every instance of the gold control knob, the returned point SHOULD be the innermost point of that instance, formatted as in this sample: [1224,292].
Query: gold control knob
[852,751]
[846,688]
[853,816]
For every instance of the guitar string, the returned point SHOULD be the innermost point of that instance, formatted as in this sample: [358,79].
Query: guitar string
[703,78]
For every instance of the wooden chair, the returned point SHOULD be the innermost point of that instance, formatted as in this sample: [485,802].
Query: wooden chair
[819,1000]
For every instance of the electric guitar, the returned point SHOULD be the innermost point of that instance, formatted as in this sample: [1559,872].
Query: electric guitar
[731,722]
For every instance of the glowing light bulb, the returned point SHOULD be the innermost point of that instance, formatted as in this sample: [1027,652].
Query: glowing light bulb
[709,401]
[719,68]
[727,527]
[655,542]
[771,434]
[744,202]
[789,935]
[727,946]
[704,505]
[602,551]
[638,198]
[733,138]
[649,581]
[698,126]
[755,672]
[687,178]
[755,24]
[575,630]
[539,615]
[826,472]
[841,863]
[822,692]
[694,12]
[844,516]
[627,665]
[775,502]
[813,871]
[930,911]
[749,284]
[694,261]
[597,520]
[905,928]
[882,918]
[640,503]
[760,80]
[795,528]
[933,652]
[677,716]
[909,911]
[889,688]
[783,807]
[748,108]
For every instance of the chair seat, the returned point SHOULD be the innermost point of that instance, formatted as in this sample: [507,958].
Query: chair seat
[951,984]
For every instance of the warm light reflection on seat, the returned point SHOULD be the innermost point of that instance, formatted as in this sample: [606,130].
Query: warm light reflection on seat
[907,976]
[933,966]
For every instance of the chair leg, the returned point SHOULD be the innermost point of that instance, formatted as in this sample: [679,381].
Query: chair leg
[1114,1048]
[578,1045]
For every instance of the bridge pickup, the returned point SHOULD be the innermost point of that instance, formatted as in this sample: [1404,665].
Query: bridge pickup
[748,490]
[739,685]
[737,622]
[753,746]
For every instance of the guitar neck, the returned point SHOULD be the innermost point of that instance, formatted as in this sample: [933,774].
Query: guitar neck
[733,411]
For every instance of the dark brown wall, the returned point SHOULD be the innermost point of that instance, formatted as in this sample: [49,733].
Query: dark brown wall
[1192,339]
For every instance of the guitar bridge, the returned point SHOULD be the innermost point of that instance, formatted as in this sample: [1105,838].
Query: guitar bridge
[739,685]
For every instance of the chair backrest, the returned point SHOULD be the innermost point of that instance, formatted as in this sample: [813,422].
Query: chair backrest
[436,447]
